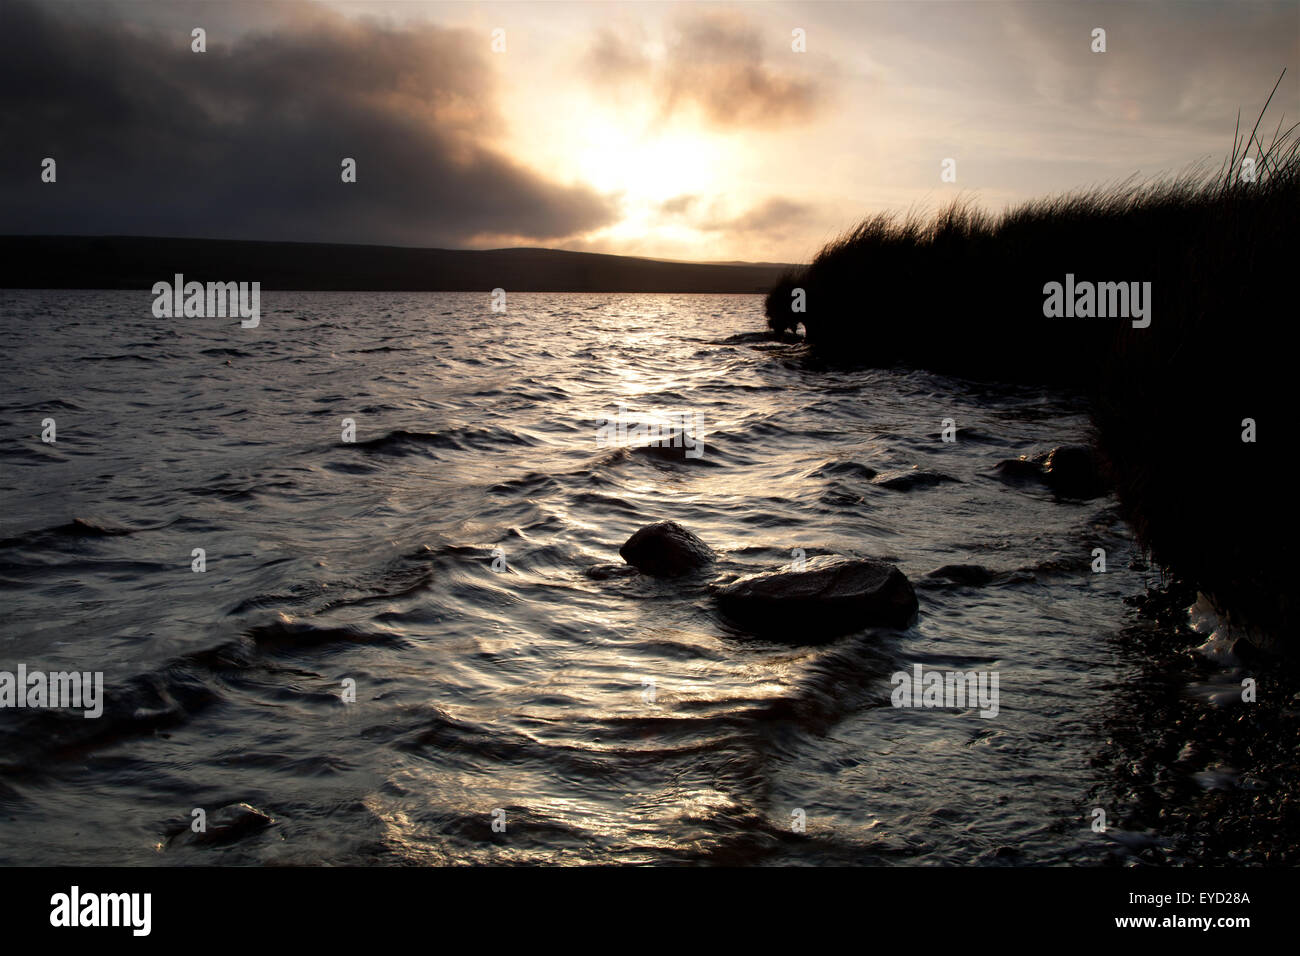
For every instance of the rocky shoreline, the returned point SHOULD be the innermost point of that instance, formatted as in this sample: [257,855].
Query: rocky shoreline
[1201,774]
[1199,741]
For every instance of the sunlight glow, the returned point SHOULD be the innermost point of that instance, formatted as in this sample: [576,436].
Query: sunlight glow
[654,165]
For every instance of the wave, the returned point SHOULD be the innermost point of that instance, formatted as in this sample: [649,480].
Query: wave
[77,528]
[403,443]
[177,691]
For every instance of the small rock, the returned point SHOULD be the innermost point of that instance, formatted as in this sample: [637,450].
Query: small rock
[844,468]
[905,479]
[1072,472]
[969,433]
[666,550]
[969,574]
[832,593]
[227,825]
[676,445]
[603,572]
[1017,471]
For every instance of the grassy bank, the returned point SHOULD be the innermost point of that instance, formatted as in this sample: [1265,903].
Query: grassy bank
[966,293]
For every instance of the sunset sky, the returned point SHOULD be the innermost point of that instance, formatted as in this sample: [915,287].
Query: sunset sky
[687,130]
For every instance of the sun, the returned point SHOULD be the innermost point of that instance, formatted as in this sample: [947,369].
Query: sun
[646,164]
[640,160]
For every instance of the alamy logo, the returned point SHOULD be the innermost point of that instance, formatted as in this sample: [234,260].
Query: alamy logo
[677,430]
[1100,300]
[216,300]
[74,909]
[56,689]
[949,689]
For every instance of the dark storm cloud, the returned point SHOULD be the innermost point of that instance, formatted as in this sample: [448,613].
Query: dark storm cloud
[717,63]
[246,140]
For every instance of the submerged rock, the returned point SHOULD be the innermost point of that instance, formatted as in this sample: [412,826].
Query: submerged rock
[832,593]
[666,550]
[603,572]
[676,445]
[1019,471]
[227,825]
[973,575]
[1070,471]
[905,479]
[971,434]
[844,468]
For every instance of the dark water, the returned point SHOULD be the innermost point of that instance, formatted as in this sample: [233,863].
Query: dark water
[522,690]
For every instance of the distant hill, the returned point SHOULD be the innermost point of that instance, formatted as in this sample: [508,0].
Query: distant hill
[128,262]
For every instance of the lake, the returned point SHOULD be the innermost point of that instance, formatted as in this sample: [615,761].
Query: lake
[393,642]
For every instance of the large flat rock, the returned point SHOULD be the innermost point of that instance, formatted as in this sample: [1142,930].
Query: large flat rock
[829,595]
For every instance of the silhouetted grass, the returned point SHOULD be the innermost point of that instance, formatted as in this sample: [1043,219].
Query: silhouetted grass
[963,293]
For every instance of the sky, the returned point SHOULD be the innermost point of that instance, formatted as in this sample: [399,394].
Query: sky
[699,131]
